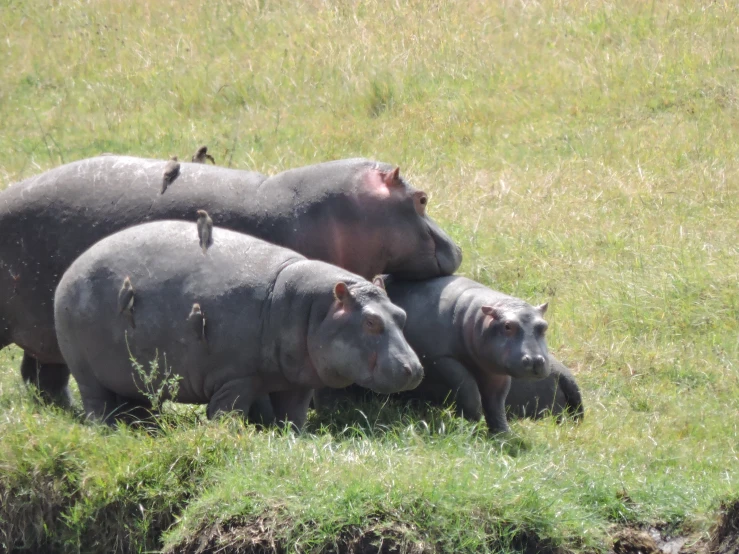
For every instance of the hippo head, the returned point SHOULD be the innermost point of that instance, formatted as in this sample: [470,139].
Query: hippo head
[512,340]
[361,341]
[417,248]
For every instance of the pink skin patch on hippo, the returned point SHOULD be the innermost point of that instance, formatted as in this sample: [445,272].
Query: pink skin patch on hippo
[383,183]
[372,362]
[367,261]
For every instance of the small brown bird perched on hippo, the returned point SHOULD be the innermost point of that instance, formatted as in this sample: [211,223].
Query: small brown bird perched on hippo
[277,323]
[170,173]
[357,214]
[202,155]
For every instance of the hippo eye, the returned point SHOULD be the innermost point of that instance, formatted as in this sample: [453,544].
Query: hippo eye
[541,328]
[373,325]
[510,328]
[420,202]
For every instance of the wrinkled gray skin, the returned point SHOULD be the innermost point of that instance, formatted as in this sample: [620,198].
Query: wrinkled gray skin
[340,212]
[473,340]
[557,394]
[276,323]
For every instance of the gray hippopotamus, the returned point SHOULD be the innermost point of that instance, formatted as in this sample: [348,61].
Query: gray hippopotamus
[268,321]
[472,341]
[357,214]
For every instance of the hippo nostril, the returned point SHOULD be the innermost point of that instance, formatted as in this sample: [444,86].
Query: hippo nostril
[408,369]
[526,361]
[540,363]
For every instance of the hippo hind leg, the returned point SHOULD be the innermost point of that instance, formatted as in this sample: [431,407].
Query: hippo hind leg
[136,413]
[51,380]
[99,403]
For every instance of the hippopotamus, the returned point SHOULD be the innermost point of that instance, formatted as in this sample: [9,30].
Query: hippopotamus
[472,341]
[558,395]
[358,214]
[269,321]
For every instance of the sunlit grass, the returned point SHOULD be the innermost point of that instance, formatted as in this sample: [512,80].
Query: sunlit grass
[583,153]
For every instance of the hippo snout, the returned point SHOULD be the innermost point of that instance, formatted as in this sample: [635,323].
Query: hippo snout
[536,366]
[448,252]
[414,372]
[397,376]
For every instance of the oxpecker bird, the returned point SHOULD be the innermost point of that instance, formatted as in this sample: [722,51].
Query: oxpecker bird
[205,230]
[201,155]
[171,172]
[197,321]
[125,300]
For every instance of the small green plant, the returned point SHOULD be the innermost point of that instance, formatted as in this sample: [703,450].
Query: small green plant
[155,386]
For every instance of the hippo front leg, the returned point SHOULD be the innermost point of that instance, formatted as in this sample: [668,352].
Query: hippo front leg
[493,392]
[291,406]
[462,383]
[236,395]
[261,412]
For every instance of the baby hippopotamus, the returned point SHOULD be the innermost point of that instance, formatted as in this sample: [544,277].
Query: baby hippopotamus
[472,341]
[267,320]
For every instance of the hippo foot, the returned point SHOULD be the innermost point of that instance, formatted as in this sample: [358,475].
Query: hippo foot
[284,408]
[135,413]
[50,381]
[261,413]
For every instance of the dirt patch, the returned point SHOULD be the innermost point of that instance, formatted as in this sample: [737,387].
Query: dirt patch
[724,538]
[259,537]
[647,541]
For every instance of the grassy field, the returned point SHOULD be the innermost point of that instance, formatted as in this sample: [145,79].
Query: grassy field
[585,153]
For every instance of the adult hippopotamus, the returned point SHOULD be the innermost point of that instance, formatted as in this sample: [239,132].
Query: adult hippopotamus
[268,320]
[472,341]
[358,214]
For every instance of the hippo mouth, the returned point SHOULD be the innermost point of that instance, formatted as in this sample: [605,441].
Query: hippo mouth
[442,257]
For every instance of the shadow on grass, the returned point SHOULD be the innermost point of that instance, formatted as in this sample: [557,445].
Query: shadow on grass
[363,414]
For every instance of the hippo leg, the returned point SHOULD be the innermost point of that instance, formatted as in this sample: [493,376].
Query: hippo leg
[568,387]
[291,407]
[493,392]
[99,403]
[133,412]
[261,412]
[237,395]
[557,394]
[51,380]
[465,391]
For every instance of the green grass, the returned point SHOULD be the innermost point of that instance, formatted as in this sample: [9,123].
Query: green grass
[585,153]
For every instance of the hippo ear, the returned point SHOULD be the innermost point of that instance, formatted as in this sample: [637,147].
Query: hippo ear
[341,292]
[392,178]
[492,311]
[543,308]
[378,281]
